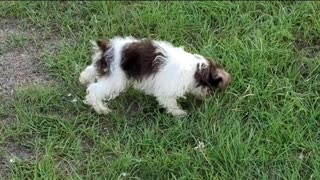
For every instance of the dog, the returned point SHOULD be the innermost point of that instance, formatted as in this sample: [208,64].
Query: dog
[155,67]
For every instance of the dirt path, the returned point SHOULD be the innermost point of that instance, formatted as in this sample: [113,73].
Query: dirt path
[20,52]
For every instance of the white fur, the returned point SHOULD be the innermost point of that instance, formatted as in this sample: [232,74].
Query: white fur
[88,76]
[173,80]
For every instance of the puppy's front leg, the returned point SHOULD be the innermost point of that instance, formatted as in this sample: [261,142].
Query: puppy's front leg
[170,103]
[88,75]
[96,93]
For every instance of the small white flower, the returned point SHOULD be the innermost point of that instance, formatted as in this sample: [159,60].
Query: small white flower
[74,100]
[12,160]
[124,174]
[69,94]
[200,146]
[301,156]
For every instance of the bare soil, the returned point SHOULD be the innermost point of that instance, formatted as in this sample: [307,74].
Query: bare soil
[21,65]
[308,48]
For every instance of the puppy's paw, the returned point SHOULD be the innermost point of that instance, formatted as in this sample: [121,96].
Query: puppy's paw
[88,76]
[178,113]
[98,106]
[104,110]
[82,79]
[101,109]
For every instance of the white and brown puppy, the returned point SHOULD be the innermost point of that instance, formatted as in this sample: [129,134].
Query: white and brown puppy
[154,67]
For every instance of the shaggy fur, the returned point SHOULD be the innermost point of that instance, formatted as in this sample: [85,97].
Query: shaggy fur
[154,67]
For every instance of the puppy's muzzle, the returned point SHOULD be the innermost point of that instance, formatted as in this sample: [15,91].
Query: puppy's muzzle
[225,79]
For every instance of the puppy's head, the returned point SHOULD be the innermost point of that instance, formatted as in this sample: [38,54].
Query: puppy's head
[102,57]
[211,76]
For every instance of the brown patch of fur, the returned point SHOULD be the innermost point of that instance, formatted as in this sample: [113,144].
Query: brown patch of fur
[213,64]
[206,75]
[139,59]
[103,64]
[103,45]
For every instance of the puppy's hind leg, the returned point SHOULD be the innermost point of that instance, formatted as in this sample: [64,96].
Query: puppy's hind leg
[170,103]
[105,89]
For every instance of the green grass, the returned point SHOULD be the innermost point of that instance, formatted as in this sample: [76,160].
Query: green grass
[15,41]
[265,126]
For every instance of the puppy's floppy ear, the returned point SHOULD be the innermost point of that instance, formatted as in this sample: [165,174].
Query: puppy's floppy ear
[103,64]
[103,45]
[202,74]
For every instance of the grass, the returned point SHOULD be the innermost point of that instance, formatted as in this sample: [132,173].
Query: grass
[15,41]
[265,126]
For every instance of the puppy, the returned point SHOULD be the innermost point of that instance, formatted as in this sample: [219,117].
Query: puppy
[155,67]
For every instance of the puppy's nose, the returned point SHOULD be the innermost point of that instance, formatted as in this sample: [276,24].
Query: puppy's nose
[226,79]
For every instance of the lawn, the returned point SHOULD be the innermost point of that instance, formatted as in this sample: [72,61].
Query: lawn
[265,126]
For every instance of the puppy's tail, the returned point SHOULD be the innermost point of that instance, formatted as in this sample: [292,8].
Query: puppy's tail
[88,75]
